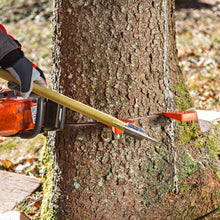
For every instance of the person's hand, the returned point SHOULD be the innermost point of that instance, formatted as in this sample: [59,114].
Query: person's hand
[27,73]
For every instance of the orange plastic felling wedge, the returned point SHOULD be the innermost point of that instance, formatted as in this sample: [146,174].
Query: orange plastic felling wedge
[181,115]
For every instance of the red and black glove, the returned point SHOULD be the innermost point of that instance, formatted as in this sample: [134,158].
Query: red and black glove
[23,70]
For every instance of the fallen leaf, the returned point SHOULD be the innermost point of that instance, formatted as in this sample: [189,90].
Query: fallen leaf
[31,160]
[37,204]
[8,164]
[31,213]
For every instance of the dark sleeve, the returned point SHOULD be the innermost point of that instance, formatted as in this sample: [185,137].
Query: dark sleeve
[7,44]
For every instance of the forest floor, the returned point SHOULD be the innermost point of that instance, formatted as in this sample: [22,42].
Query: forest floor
[198,43]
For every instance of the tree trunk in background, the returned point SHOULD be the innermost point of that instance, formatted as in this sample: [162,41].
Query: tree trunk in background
[120,57]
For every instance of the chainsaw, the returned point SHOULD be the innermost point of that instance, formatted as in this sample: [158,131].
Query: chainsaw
[26,118]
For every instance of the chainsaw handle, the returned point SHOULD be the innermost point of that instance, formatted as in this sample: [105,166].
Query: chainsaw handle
[38,124]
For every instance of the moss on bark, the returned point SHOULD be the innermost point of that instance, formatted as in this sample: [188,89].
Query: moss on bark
[47,211]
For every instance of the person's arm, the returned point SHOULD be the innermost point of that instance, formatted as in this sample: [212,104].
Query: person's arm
[7,43]
[12,58]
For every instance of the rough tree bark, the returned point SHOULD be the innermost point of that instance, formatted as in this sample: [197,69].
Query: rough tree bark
[120,57]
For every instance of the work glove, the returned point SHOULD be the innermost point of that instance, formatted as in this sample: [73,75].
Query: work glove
[24,71]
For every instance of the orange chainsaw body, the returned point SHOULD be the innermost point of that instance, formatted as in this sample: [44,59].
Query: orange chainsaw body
[27,118]
[15,115]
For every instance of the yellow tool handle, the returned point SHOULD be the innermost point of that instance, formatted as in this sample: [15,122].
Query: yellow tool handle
[69,103]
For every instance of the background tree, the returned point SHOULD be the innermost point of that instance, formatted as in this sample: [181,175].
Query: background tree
[120,57]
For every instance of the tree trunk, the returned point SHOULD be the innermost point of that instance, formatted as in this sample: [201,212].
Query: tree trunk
[120,57]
